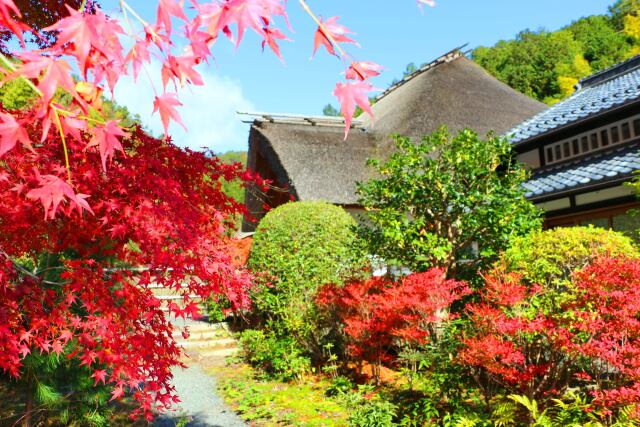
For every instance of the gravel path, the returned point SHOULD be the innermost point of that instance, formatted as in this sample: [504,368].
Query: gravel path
[200,403]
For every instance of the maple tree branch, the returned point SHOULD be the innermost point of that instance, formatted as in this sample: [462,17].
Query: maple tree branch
[26,272]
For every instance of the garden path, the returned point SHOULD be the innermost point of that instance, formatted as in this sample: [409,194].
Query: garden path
[208,345]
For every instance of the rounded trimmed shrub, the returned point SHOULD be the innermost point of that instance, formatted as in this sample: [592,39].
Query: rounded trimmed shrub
[550,257]
[297,248]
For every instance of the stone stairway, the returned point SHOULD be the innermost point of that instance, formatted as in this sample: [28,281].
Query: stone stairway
[166,295]
[211,341]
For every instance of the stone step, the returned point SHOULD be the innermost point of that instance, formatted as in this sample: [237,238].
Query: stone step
[219,354]
[199,325]
[166,292]
[175,297]
[209,344]
[164,305]
[201,335]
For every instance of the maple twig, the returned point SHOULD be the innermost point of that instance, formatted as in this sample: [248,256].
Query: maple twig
[64,144]
[124,5]
[82,117]
[326,32]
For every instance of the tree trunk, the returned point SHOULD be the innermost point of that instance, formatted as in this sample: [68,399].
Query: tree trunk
[28,406]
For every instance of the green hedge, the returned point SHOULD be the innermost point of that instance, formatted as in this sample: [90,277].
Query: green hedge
[298,247]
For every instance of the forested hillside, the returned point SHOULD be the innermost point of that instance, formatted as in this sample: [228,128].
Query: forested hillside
[547,65]
[234,188]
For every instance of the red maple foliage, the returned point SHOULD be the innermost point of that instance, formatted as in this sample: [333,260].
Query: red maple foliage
[94,197]
[379,315]
[536,341]
[158,207]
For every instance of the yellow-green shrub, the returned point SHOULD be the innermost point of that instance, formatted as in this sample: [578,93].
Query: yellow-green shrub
[549,257]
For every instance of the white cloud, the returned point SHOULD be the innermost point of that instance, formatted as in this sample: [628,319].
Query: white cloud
[208,112]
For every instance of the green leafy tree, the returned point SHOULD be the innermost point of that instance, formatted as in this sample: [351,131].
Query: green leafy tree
[550,257]
[16,94]
[330,110]
[435,200]
[534,62]
[603,45]
[234,188]
[622,8]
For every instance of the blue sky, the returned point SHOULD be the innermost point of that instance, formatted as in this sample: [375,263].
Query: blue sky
[393,36]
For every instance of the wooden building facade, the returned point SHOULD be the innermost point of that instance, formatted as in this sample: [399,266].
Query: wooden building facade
[584,149]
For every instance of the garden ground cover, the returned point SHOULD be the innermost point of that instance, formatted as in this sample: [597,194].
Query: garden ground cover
[272,403]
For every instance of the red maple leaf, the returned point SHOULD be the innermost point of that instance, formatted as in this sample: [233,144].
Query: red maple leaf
[53,191]
[7,11]
[11,131]
[328,33]
[350,95]
[138,56]
[363,70]
[167,9]
[65,336]
[117,393]
[271,37]
[24,350]
[252,14]
[107,139]
[165,104]
[57,348]
[76,29]
[56,73]
[72,126]
[181,68]
[100,375]
[26,336]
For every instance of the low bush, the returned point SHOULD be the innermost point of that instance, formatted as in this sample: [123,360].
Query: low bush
[378,315]
[339,385]
[218,308]
[276,356]
[369,409]
[539,342]
[297,248]
[551,256]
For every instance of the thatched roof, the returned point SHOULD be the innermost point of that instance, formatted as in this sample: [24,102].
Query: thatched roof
[458,93]
[317,164]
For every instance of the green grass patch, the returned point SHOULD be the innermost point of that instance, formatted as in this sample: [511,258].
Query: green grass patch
[271,403]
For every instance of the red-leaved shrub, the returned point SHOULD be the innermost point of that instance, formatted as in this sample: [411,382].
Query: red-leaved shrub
[377,315]
[526,339]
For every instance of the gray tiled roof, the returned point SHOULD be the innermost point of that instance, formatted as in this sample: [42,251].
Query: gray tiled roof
[594,169]
[598,93]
